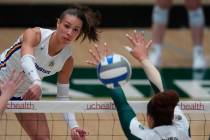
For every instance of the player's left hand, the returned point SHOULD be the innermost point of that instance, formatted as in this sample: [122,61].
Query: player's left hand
[78,133]
[140,46]
[98,53]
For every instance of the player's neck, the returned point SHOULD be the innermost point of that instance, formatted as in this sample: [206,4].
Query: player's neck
[54,45]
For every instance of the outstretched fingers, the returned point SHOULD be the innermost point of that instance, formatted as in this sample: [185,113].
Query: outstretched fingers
[19,79]
[135,36]
[106,50]
[131,39]
[12,75]
[148,44]
[141,37]
[91,62]
[94,55]
[97,52]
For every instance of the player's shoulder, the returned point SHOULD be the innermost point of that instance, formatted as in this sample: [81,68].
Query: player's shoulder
[31,35]
[46,30]
[150,134]
[32,30]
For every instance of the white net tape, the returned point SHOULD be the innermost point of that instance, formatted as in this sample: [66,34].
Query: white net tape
[94,106]
[98,118]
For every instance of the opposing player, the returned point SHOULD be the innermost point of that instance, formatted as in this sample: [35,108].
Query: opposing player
[164,118]
[196,22]
[41,52]
[8,88]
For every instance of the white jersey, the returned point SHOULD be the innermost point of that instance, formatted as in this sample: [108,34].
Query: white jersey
[46,65]
[177,131]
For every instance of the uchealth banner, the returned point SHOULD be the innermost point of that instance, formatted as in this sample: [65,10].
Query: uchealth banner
[94,106]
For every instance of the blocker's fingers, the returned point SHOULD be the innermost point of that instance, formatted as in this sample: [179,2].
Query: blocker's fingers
[141,36]
[142,33]
[20,83]
[106,51]
[19,79]
[128,48]
[130,39]
[12,75]
[1,82]
[149,43]
[136,35]
[91,62]
[97,51]
[95,57]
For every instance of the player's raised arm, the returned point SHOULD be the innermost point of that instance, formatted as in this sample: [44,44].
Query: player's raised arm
[126,114]
[139,51]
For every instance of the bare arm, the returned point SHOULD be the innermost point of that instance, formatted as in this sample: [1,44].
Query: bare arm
[30,39]
[63,94]
[65,73]
[139,51]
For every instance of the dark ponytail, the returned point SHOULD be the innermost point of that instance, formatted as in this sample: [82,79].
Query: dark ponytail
[161,107]
[89,19]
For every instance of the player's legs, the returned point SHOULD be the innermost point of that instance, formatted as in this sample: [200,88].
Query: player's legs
[160,20]
[196,22]
[35,124]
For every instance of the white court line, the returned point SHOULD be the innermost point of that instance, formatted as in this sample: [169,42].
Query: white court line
[194,88]
[51,89]
[130,91]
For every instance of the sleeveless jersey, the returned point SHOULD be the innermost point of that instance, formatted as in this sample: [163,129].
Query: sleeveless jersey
[46,65]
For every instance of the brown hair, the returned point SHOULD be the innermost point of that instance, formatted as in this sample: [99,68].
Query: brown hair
[89,19]
[161,107]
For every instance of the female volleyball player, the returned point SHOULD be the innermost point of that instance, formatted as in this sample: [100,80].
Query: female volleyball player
[8,88]
[43,52]
[164,118]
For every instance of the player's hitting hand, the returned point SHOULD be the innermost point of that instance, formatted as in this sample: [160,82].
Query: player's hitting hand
[140,47]
[78,134]
[34,92]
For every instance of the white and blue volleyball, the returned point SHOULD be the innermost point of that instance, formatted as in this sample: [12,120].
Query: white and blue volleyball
[114,70]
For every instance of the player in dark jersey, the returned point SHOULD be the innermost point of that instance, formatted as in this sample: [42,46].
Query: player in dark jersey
[164,118]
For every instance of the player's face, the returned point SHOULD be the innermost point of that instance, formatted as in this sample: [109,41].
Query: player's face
[69,28]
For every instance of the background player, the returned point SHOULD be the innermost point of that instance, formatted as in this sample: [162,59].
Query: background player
[196,22]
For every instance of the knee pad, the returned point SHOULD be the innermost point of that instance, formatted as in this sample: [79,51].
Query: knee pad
[160,15]
[196,18]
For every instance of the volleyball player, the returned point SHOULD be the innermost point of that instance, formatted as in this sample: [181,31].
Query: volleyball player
[41,52]
[196,23]
[164,118]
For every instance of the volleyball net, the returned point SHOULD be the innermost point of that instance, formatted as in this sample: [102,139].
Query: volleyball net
[98,118]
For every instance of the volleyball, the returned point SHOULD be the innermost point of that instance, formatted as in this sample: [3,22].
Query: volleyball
[114,70]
